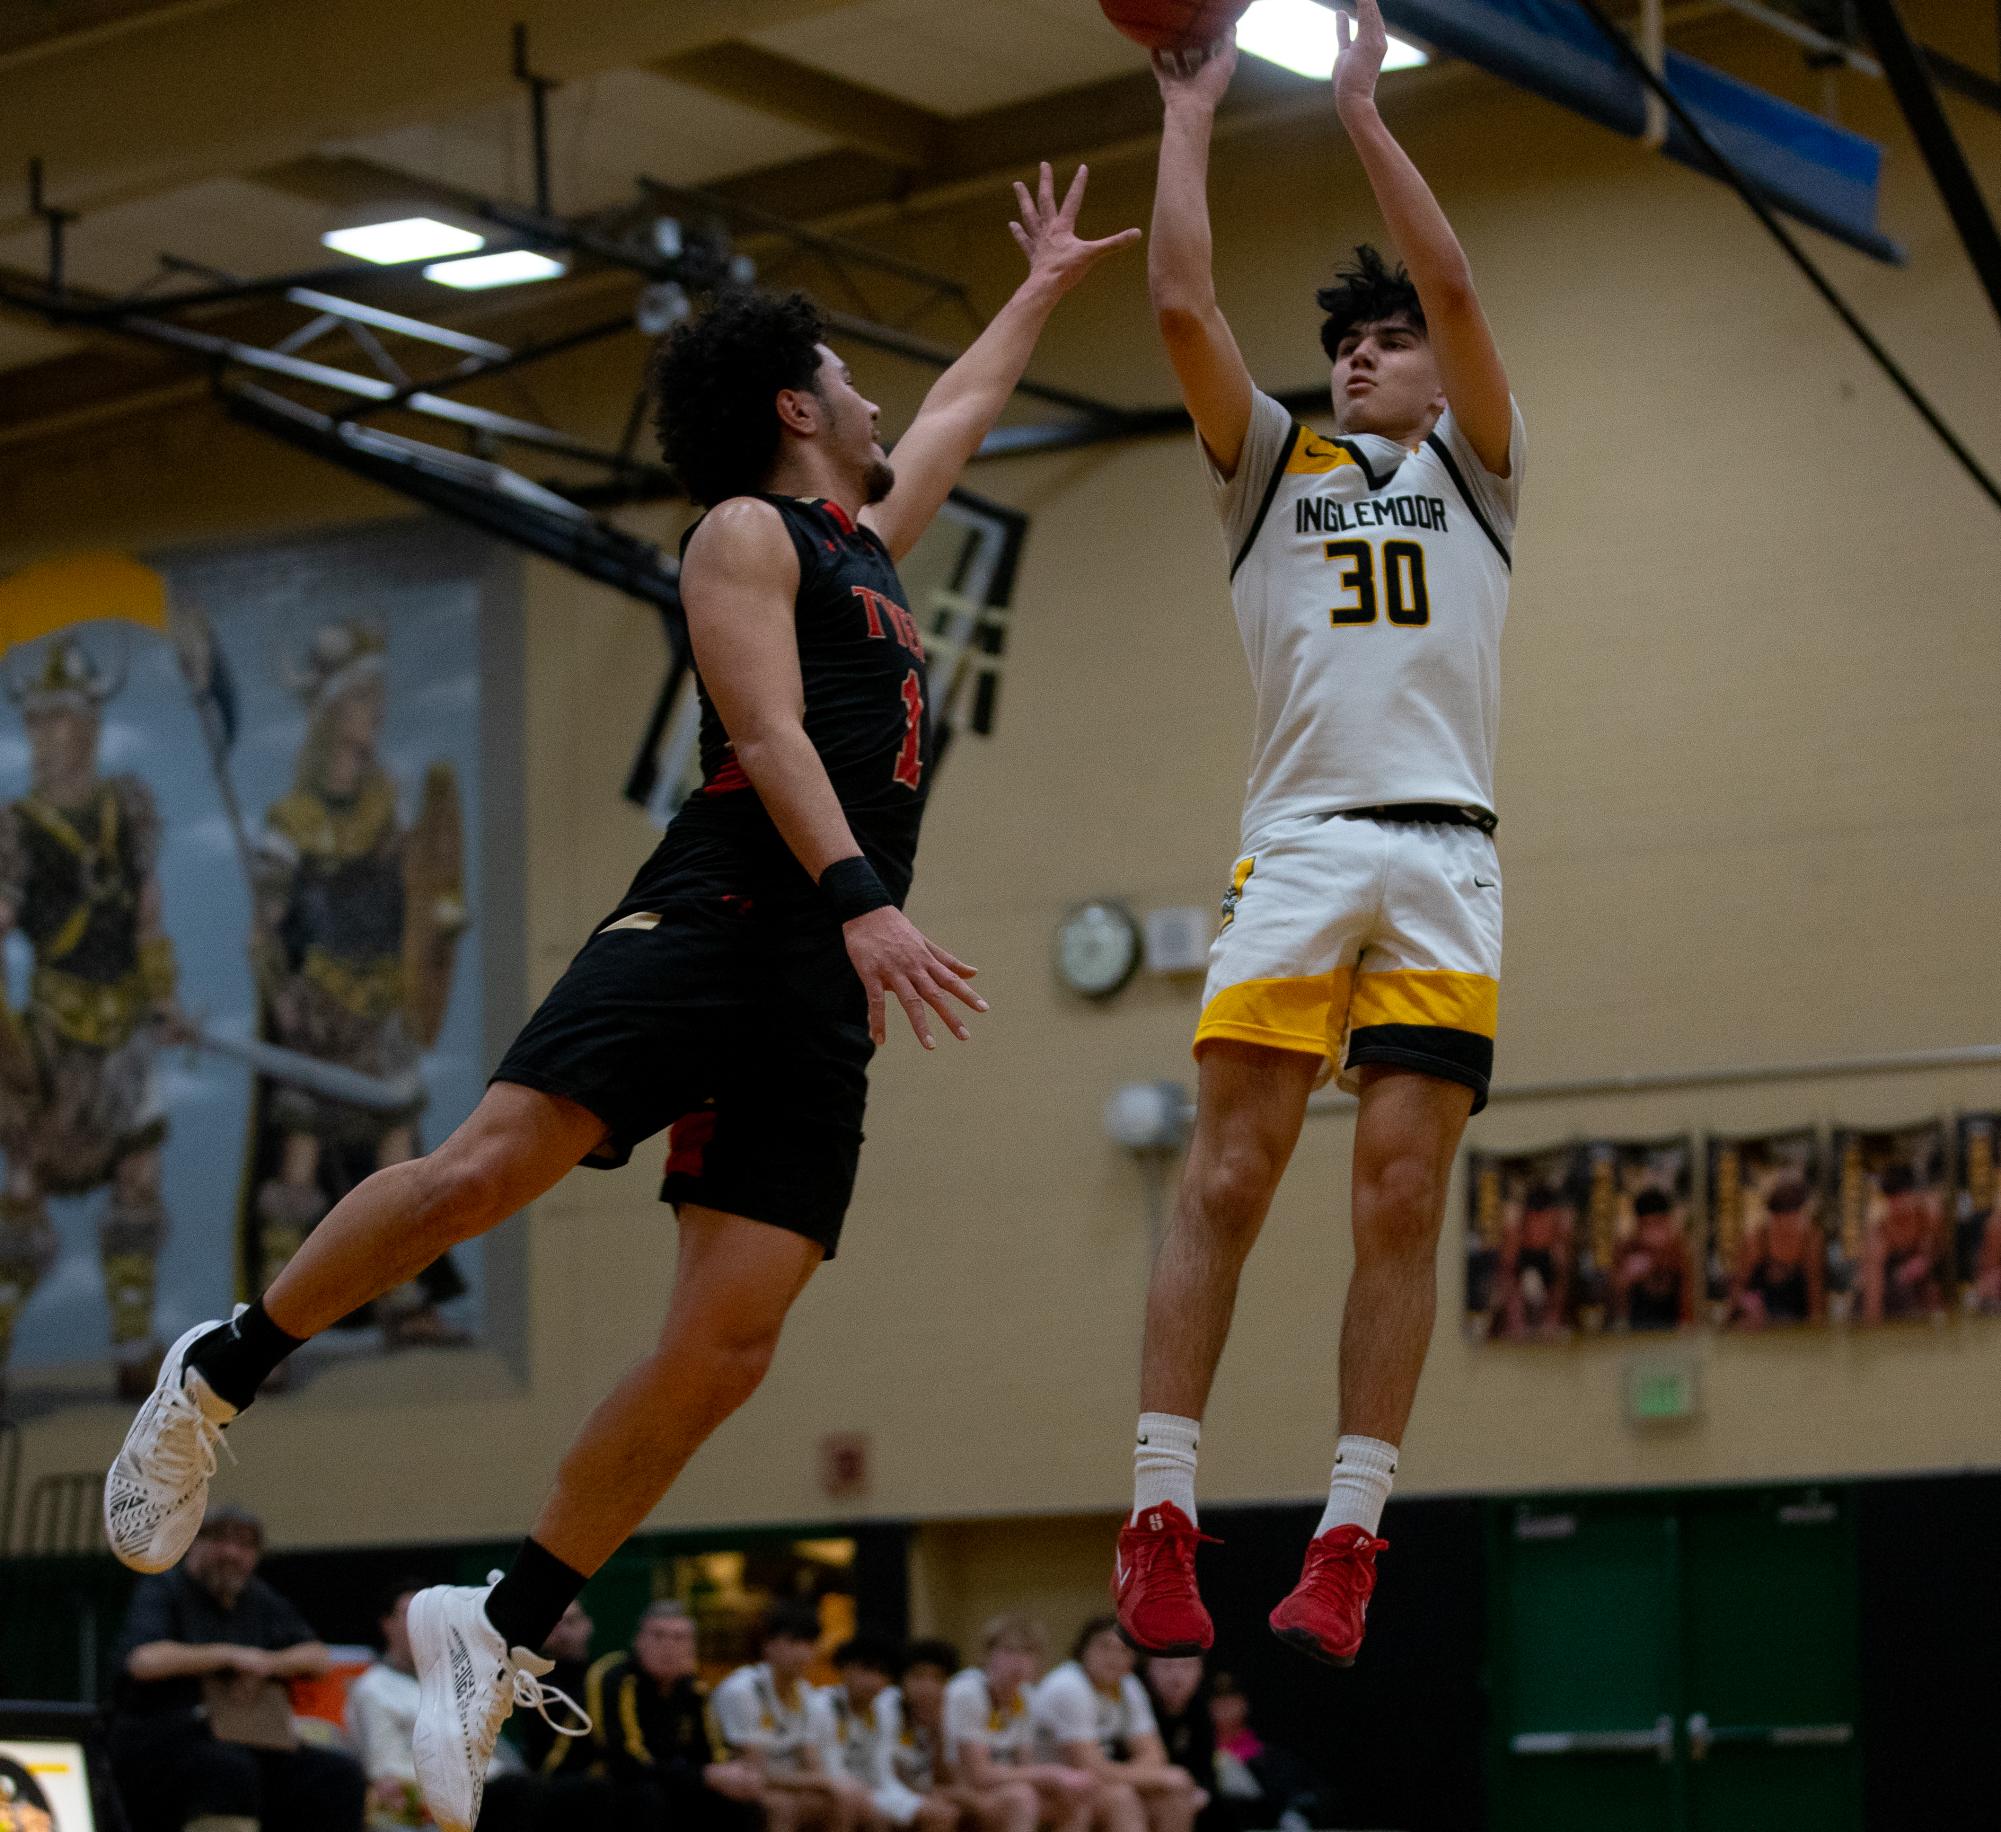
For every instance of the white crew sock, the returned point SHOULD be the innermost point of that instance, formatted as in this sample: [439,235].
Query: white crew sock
[1164,1462]
[1363,1470]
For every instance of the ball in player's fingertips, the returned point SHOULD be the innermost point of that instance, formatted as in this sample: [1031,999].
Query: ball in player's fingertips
[1170,26]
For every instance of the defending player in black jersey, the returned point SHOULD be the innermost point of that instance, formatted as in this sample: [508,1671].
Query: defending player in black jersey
[736,993]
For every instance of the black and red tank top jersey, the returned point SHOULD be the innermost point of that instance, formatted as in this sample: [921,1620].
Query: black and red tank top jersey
[861,661]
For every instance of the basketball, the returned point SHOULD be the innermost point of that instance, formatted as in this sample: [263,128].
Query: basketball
[1175,25]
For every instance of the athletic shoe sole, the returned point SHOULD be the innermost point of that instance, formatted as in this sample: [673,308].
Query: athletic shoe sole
[1174,1650]
[175,1360]
[429,1650]
[1310,1646]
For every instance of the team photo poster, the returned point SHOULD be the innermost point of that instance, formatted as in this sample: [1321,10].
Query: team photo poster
[1863,1225]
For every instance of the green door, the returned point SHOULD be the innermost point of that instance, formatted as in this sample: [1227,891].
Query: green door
[1587,1682]
[1769,1632]
[1670,1664]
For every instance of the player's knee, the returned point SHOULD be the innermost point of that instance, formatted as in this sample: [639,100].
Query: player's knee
[738,1351]
[459,1194]
[1399,1202]
[1233,1186]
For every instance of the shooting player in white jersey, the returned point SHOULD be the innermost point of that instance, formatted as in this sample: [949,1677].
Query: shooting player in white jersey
[1362,926]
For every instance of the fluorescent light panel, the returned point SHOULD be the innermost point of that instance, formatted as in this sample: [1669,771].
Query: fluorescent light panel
[1299,35]
[411,238]
[512,267]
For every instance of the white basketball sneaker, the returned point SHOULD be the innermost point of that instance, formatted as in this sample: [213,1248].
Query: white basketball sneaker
[157,1488]
[468,1681]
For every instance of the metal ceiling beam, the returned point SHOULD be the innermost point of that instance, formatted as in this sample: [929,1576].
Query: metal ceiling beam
[865,119]
[1963,79]
[485,496]
[1911,83]
[89,25]
[213,92]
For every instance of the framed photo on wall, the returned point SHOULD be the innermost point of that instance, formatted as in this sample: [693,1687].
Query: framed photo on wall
[1768,1248]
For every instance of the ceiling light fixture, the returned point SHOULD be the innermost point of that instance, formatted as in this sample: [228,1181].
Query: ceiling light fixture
[511,267]
[1299,36]
[411,238]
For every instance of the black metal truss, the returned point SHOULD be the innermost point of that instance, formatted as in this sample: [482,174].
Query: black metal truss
[1904,65]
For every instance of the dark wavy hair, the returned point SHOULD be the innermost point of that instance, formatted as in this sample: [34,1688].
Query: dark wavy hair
[715,381]
[1367,291]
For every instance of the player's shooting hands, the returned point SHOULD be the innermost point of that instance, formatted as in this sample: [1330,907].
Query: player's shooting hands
[1364,44]
[894,960]
[1047,232]
[1196,76]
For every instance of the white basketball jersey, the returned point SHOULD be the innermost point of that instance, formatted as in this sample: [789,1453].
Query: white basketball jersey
[1371,583]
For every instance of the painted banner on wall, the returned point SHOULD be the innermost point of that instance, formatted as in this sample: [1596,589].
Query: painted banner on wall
[1977,1212]
[239,798]
[1889,1195]
[1639,1251]
[1522,1242]
[1768,1249]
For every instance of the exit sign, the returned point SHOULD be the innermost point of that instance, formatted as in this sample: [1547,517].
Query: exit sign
[1660,1392]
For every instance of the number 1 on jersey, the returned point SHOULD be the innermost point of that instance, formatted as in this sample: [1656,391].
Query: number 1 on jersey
[910,760]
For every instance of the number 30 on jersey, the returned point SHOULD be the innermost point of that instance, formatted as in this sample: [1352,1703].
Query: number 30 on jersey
[1401,594]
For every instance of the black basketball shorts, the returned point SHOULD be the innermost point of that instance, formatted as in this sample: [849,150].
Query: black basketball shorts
[741,1027]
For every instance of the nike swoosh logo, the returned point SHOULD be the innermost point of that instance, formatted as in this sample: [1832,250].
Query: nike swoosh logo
[1119,1572]
[1485,884]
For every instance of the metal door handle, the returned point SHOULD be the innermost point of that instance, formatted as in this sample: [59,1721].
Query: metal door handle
[1657,1742]
[1703,1736]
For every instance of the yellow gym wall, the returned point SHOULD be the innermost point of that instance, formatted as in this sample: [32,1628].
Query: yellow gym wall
[1751,797]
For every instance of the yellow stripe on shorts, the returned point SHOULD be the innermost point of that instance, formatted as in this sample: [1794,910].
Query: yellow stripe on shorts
[1294,1014]
[1448,1001]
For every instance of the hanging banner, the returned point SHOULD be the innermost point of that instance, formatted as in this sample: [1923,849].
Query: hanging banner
[1523,1278]
[1977,1212]
[1768,1248]
[1639,1244]
[1895,1249]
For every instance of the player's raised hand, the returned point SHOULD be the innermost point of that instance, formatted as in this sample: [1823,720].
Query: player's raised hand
[1047,231]
[1200,76]
[1364,44]
[895,961]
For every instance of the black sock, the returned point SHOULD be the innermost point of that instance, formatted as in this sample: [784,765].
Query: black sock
[239,1357]
[529,1601]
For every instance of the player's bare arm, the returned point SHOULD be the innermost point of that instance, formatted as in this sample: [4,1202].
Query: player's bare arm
[1469,362]
[1215,384]
[739,581]
[969,397]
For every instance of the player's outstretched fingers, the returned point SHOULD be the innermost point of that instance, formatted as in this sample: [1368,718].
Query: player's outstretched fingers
[955,974]
[913,1009]
[938,990]
[878,1013]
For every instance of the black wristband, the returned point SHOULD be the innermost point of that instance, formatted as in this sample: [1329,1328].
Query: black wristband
[850,888]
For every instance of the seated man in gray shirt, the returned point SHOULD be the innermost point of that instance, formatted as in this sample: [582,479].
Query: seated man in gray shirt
[202,1731]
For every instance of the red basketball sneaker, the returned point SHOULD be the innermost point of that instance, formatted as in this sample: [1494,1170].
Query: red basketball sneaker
[1326,1615]
[1153,1583]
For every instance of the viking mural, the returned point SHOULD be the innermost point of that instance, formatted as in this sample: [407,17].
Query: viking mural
[78,1113]
[232,892]
[356,928]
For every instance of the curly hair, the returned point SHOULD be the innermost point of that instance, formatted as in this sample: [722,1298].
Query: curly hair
[1367,291]
[715,379]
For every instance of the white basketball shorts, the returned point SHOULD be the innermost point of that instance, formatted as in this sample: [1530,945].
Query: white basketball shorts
[1363,940]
